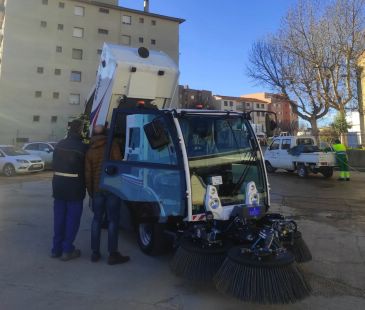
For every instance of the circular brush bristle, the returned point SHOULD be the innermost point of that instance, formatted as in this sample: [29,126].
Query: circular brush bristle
[198,264]
[272,280]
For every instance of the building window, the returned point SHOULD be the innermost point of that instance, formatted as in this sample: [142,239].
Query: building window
[153,41]
[126,40]
[79,11]
[56,95]
[104,10]
[35,118]
[60,27]
[39,69]
[225,103]
[141,20]
[76,53]
[43,24]
[140,40]
[61,5]
[153,22]
[247,104]
[45,2]
[126,19]
[262,106]
[103,31]
[75,99]
[59,49]
[78,32]
[99,51]
[57,71]
[38,94]
[257,105]
[231,103]
[54,119]
[75,76]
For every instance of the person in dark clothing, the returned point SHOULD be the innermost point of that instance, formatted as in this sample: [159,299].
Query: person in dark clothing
[102,200]
[68,185]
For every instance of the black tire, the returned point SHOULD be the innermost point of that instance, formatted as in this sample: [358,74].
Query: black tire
[302,171]
[9,170]
[269,168]
[327,172]
[151,238]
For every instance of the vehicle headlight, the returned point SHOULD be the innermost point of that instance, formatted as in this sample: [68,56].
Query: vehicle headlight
[22,161]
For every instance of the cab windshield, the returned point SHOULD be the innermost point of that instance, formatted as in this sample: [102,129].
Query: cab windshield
[222,152]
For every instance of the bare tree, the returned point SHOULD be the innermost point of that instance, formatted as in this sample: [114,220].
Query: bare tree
[312,58]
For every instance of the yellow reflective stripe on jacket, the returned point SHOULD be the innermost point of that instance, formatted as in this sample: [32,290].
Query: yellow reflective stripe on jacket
[339,147]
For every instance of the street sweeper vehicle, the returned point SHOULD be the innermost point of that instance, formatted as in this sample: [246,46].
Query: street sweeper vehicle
[197,177]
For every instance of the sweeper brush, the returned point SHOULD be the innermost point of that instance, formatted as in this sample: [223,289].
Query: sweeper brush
[196,262]
[266,279]
[299,248]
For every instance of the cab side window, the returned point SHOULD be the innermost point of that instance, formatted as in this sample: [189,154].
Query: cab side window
[32,147]
[275,145]
[44,147]
[285,144]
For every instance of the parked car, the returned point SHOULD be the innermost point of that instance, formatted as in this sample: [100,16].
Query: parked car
[42,149]
[14,161]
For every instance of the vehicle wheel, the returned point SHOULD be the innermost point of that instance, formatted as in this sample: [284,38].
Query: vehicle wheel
[151,238]
[9,170]
[269,168]
[302,171]
[327,172]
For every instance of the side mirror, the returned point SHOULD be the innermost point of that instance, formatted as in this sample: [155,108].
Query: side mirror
[156,134]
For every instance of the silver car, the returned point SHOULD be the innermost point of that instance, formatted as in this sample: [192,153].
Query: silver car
[14,161]
[42,149]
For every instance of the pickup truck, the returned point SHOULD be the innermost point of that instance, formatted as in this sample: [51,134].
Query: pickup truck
[300,154]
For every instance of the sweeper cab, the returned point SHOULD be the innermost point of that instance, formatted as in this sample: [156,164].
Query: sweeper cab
[196,178]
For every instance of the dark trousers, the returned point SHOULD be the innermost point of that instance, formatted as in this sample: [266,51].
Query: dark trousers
[67,216]
[101,202]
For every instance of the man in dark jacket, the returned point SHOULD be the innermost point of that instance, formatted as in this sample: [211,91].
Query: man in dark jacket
[102,200]
[69,190]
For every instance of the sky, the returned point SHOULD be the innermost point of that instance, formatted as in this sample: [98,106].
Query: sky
[216,38]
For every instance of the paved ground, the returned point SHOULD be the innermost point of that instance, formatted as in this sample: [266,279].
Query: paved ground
[331,215]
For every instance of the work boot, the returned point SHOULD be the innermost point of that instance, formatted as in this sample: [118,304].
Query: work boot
[117,258]
[72,255]
[95,257]
[56,255]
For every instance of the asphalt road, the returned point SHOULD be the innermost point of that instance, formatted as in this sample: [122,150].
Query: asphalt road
[331,215]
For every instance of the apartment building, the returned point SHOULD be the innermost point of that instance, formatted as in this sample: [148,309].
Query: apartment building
[49,53]
[287,119]
[243,104]
[195,99]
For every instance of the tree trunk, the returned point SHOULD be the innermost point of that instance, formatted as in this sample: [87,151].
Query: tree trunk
[315,131]
[343,136]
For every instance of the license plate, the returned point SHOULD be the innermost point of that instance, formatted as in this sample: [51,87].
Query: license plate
[37,166]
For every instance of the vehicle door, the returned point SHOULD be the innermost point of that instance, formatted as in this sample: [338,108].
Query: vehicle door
[272,153]
[149,176]
[45,152]
[284,158]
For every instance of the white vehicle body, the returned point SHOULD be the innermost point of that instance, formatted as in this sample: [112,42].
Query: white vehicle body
[281,155]
[16,161]
[124,73]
